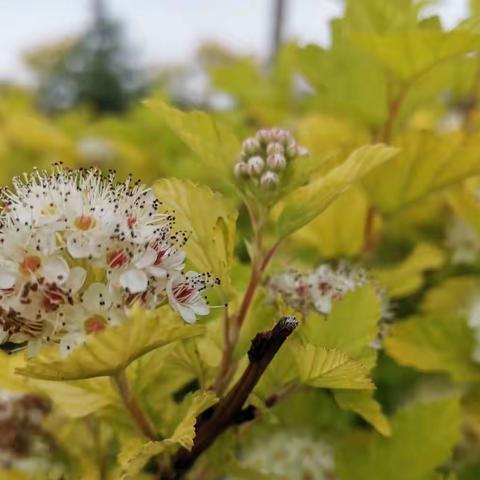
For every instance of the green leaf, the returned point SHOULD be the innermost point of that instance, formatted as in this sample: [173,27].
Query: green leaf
[135,452]
[209,217]
[215,144]
[408,277]
[319,367]
[340,230]
[307,202]
[435,343]
[423,439]
[363,403]
[80,398]
[410,54]
[428,162]
[113,349]
[345,68]
[454,295]
[350,327]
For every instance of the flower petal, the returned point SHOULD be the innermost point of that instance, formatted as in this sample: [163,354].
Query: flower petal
[76,279]
[7,280]
[134,280]
[97,298]
[55,270]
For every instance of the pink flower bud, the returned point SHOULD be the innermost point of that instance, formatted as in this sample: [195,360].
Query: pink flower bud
[256,165]
[277,162]
[263,136]
[269,180]
[241,170]
[250,147]
[291,150]
[275,147]
[284,137]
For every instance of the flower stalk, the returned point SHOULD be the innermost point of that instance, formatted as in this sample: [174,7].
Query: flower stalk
[139,417]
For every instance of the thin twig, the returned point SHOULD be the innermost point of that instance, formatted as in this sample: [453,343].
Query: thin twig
[139,417]
[225,414]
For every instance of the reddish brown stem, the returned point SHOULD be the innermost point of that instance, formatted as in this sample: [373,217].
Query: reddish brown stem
[232,331]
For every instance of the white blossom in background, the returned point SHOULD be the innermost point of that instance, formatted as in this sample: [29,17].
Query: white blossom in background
[316,290]
[21,419]
[95,150]
[265,158]
[473,321]
[78,249]
[292,456]
[463,241]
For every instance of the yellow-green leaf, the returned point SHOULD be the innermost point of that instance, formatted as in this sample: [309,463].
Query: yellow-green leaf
[208,217]
[409,54]
[135,452]
[340,229]
[350,327]
[454,295]
[107,352]
[324,368]
[80,398]
[435,343]
[408,277]
[215,144]
[363,403]
[305,203]
[422,440]
[428,162]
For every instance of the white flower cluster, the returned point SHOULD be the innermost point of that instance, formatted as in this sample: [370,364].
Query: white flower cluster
[265,156]
[316,290]
[473,321]
[292,456]
[78,249]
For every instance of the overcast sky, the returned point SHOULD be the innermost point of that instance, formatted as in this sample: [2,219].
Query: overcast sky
[163,31]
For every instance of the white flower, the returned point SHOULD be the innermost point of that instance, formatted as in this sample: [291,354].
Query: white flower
[292,455]
[185,294]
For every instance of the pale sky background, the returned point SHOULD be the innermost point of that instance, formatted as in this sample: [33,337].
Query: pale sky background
[165,31]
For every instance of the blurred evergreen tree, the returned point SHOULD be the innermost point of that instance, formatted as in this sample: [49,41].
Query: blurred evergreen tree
[95,70]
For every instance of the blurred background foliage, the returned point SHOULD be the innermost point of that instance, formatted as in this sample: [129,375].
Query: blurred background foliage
[391,74]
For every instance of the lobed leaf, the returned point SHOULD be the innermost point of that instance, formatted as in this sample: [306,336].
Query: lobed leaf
[407,277]
[363,403]
[305,203]
[413,452]
[214,144]
[428,162]
[435,343]
[324,368]
[210,220]
[113,349]
[135,452]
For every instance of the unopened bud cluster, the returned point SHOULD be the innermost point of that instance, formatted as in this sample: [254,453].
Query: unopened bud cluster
[266,156]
